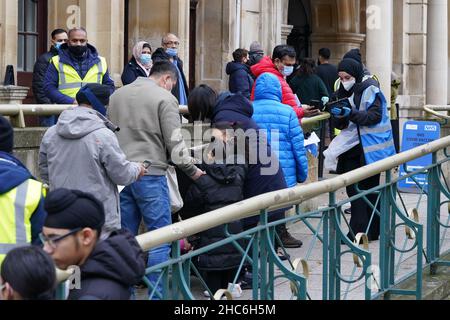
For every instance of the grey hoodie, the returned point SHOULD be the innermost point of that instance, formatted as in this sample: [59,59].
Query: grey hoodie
[80,153]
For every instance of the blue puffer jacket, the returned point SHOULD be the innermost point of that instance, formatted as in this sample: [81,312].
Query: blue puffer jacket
[271,114]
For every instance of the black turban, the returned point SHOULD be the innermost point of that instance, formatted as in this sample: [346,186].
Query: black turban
[71,209]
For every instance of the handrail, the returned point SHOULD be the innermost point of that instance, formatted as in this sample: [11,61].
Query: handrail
[18,111]
[280,199]
[313,120]
[432,109]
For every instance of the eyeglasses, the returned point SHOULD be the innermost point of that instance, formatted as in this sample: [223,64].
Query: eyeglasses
[172,43]
[53,241]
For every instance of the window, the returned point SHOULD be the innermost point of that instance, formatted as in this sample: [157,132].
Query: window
[28,35]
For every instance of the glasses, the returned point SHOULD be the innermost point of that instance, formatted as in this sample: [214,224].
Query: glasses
[172,43]
[53,241]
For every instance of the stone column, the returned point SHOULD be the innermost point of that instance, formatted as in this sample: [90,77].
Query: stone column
[179,25]
[8,36]
[379,41]
[437,52]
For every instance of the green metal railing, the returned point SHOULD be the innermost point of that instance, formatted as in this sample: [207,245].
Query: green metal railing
[362,275]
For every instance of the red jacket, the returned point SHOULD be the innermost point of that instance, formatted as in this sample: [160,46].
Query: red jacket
[289,98]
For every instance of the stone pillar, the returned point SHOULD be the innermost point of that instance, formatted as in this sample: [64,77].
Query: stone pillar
[335,25]
[179,25]
[13,94]
[437,52]
[8,36]
[379,41]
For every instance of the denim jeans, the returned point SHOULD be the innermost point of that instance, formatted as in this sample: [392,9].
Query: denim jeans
[148,199]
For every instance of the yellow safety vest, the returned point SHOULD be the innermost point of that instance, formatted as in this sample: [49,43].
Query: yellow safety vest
[70,81]
[16,208]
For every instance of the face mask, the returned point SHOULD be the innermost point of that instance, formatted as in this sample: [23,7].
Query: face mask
[287,71]
[349,84]
[146,58]
[58,45]
[78,51]
[172,52]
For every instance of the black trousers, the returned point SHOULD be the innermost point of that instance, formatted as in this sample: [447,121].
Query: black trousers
[219,279]
[361,211]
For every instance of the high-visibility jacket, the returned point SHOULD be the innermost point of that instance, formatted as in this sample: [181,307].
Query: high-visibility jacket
[16,208]
[377,140]
[70,81]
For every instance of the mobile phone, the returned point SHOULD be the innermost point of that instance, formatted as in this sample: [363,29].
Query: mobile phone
[147,164]
[316,105]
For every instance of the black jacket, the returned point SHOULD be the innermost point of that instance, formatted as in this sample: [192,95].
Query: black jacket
[115,265]
[39,71]
[241,80]
[161,55]
[221,186]
[132,71]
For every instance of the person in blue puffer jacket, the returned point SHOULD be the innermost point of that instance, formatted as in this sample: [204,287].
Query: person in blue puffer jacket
[270,114]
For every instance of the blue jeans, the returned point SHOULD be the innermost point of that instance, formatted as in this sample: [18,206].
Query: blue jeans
[48,121]
[148,199]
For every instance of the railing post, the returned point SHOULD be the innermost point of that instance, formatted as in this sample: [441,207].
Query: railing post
[263,247]
[433,214]
[334,241]
[325,247]
[387,232]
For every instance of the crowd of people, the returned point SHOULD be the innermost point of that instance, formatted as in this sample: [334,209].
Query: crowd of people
[131,137]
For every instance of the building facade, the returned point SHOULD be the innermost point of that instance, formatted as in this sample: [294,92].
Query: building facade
[407,36]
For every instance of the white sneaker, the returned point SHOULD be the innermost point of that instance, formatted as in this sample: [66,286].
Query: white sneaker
[206,294]
[235,290]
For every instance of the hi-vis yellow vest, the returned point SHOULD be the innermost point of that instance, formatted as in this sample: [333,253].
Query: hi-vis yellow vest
[70,81]
[16,208]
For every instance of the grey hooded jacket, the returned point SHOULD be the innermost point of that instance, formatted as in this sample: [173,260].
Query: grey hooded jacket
[80,153]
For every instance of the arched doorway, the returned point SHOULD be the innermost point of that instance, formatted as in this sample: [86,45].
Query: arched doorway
[299,16]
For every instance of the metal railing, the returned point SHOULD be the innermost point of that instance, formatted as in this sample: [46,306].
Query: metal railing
[328,226]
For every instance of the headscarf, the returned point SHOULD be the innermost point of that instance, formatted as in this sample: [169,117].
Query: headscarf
[137,52]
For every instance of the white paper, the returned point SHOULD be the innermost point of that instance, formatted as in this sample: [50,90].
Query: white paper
[313,139]
[120,188]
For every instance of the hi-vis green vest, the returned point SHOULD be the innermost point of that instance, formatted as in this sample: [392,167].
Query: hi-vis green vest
[16,208]
[70,81]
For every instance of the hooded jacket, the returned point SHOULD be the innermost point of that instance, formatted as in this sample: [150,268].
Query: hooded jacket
[272,115]
[80,153]
[114,266]
[237,108]
[82,66]
[240,79]
[39,71]
[288,97]
[221,186]
[12,174]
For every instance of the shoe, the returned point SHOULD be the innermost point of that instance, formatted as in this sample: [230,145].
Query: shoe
[206,294]
[287,239]
[348,211]
[283,256]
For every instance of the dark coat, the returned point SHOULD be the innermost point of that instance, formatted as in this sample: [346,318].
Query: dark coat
[161,55]
[234,109]
[221,186]
[241,80]
[82,67]
[115,265]
[132,71]
[39,71]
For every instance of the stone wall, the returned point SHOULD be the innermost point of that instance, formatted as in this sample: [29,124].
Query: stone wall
[26,147]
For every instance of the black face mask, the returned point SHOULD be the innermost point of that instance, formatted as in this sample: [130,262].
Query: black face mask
[78,51]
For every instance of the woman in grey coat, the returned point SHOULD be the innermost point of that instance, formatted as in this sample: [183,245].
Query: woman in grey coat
[81,153]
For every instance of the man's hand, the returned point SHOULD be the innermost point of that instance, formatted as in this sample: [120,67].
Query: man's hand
[310,111]
[198,174]
[142,172]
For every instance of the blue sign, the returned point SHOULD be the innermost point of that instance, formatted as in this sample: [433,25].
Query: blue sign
[416,134]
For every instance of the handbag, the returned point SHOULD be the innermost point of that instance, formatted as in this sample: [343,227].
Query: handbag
[176,201]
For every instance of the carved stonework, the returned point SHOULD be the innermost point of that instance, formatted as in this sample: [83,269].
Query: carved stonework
[286,30]
[13,94]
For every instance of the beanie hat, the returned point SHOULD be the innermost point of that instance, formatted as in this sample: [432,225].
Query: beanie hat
[71,209]
[354,54]
[6,136]
[353,68]
[255,47]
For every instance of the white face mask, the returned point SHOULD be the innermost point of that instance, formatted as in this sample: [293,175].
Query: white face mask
[349,84]
[288,70]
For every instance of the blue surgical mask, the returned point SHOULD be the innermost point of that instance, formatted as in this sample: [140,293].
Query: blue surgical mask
[58,45]
[288,70]
[172,52]
[146,58]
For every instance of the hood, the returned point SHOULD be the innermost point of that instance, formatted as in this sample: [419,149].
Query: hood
[78,122]
[268,87]
[67,58]
[235,66]
[119,258]
[12,172]
[265,65]
[235,103]
[222,173]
